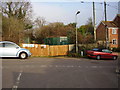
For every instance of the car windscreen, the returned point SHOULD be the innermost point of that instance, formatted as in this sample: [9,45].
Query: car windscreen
[1,45]
[95,49]
[106,50]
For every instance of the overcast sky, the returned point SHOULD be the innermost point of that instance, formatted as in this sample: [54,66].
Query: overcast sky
[65,10]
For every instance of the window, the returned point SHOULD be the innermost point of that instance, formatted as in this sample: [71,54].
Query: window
[114,41]
[114,31]
[1,45]
[96,49]
[9,45]
[106,50]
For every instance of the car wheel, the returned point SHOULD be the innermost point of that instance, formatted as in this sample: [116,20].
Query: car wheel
[98,57]
[23,55]
[114,57]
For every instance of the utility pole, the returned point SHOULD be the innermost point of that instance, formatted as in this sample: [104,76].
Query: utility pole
[94,21]
[106,31]
[105,11]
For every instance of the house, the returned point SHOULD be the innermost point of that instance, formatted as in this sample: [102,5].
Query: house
[109,30]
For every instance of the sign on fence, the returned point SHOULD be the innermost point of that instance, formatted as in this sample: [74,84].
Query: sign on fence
[28,45]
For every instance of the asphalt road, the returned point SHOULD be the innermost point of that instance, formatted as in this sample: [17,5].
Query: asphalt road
[59,73]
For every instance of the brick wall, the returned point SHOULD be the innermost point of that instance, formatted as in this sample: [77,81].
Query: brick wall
[119,37]
[113,36]
[101,32]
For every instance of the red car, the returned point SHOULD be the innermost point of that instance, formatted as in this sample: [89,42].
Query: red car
[101,54]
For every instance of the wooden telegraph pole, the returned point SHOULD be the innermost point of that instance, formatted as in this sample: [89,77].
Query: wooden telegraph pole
[94,21]
[105,24]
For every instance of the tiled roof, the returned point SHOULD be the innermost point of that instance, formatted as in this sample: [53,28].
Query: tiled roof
[109,23]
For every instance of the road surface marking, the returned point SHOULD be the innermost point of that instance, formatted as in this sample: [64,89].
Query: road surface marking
[14,87]
[19,76]
[17,81]
[94,66]
[43,66]
[57,66]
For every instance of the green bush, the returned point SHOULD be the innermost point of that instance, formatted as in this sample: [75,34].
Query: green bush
[116,49]
[74,55]
[77,55]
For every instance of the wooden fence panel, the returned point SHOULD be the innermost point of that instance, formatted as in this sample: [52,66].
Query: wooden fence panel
[63,49]
[46,50]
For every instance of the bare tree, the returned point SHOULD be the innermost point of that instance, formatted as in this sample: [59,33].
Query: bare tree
[52,30]
[15,19]
[11,29]
[40,22]
[16,9]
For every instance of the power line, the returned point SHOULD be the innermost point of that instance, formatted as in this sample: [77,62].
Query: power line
[115,7]
[101,3]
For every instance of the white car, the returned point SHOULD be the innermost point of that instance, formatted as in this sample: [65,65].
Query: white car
[10,49]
